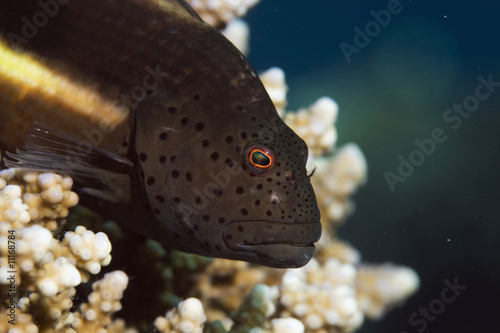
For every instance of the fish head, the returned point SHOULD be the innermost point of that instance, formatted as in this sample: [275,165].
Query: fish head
[231,186]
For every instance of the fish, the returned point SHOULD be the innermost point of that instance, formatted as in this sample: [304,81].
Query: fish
[205,165]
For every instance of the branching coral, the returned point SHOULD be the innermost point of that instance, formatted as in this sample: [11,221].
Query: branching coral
[219,12]
[323,296]
[43,268]
[188,317]
[381,287]
[95,316]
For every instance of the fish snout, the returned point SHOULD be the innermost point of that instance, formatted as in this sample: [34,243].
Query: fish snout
[274,244]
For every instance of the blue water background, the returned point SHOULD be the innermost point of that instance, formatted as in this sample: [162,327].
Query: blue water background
[444,219]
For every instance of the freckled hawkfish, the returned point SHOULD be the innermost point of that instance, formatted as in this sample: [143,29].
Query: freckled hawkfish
[199,158]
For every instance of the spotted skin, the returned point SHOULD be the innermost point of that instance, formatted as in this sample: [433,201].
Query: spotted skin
[196,178]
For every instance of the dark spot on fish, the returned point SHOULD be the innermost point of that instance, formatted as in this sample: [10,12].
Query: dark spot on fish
[269,213]
[240,190]
[214,156]
[253,118]
[176,199]
[269,227]
[206,217]
[157,211]
[184,121]
[260,186]
[172,158]
[243,135]
[222,220]
[196,97]
[160,198]
[229,162]
[151,181]
[198,200]
[217,192]
[172,109]
[175,173]
[205,143]
[189,176]
[257,202]
[240,228]
[229,237]
[143,157]
[244,211]
[255,135]
[162,159]
[238,149]
[199,127]
[269,180]
[239,107]
[207,244]
[229,139]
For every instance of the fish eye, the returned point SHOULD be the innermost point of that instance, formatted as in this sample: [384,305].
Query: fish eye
[259,160]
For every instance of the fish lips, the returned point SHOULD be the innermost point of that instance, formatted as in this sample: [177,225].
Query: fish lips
[274,244]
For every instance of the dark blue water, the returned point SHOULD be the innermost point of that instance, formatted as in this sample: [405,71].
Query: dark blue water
[425,89]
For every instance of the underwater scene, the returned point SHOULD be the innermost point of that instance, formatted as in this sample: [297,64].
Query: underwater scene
[260,166]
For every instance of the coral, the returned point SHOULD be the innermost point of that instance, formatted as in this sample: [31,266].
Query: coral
[46,198]
[58,276]
[238,32]
[188,317]
[336,179]
[255,310]
[90,251]
[220,12]
[274,81]
[32,205]
[104,301]
[381,287]
[222,273]
[316,125]
[287,325]
[322,296]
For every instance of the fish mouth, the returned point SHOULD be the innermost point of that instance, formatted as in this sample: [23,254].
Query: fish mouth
[270,243]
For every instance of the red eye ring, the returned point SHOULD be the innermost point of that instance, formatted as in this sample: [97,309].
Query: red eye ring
[259,160]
